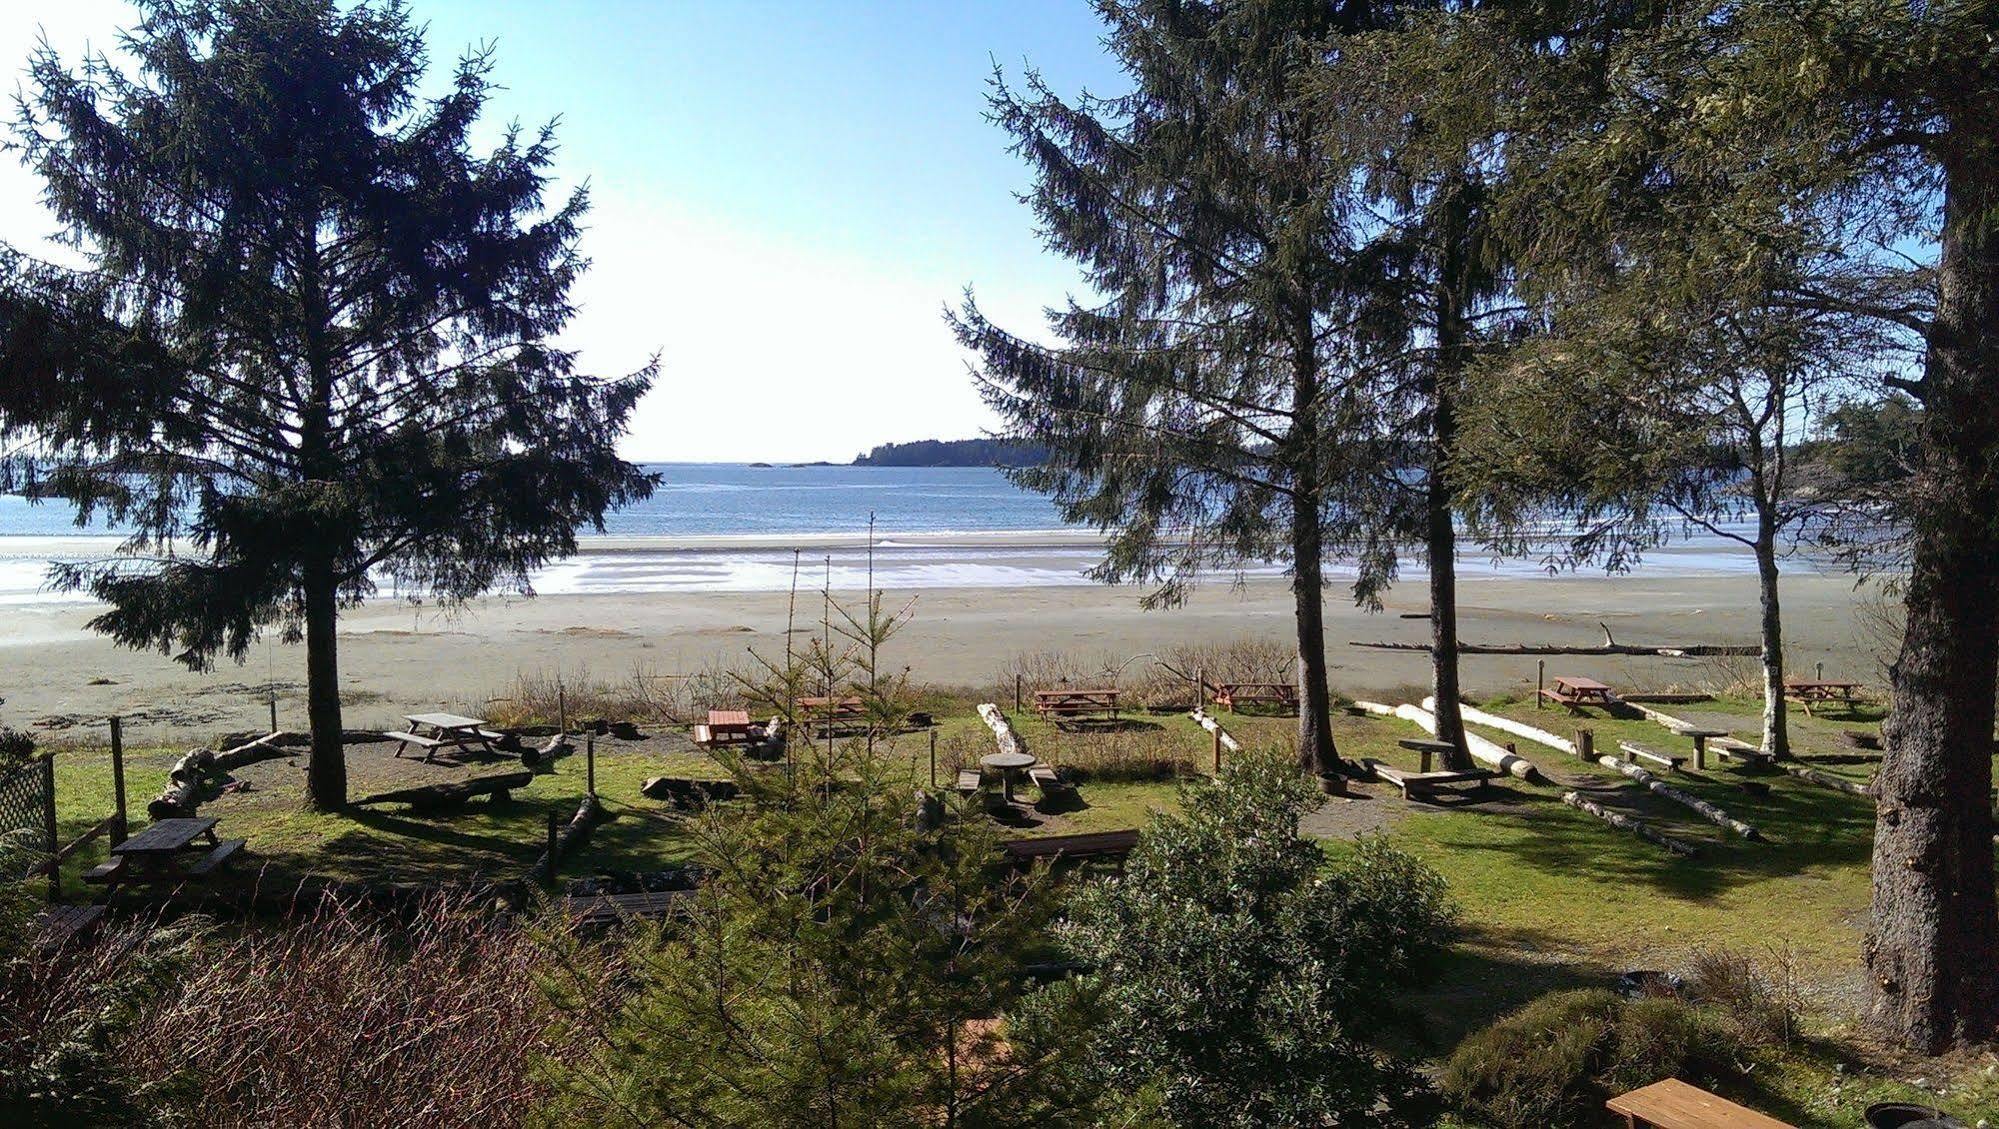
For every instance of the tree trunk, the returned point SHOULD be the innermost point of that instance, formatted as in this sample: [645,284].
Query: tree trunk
[326,767]
[1932,946]
[1442,541]
[1776,721]
[1316,752]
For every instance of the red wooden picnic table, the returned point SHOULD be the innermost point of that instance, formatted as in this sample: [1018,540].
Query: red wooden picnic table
[840,709]
[1574,690]
[728,726]
[1810,691]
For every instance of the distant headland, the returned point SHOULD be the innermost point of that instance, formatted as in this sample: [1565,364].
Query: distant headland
[954,452]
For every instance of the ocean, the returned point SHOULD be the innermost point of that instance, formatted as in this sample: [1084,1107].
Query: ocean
[732,527]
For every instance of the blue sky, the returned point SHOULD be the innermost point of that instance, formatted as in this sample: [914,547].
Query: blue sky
[787,194]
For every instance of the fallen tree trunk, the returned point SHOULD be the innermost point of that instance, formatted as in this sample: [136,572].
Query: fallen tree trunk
[268,747]
[1003,731]
[453,793]
[556,746]
[1481,749]
[1659,787]
[1684,650]
[1517,728]
[1827,780]
[1626,823]
[572,835]
[185,783]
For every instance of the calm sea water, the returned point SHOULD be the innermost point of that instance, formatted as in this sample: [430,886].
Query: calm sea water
[764,505]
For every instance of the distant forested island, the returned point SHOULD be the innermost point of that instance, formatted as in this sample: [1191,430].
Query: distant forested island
[954,452]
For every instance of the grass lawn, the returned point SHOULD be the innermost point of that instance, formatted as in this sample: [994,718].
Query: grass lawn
[1552,897]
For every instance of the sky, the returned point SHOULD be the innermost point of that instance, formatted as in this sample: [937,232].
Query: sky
[786,195]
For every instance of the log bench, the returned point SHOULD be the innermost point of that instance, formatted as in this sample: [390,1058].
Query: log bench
[1641,753]
[1417,784]
[1673,1104]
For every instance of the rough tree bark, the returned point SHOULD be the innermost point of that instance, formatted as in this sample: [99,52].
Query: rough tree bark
[1932,946]
[1442,542]
[1316,751]
[1776,719]
[326,768]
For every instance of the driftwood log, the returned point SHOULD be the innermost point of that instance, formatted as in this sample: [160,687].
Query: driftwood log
[454,793]
[1609,646]
[189,779]
[1659,787]
[1517,728]
[1003,732]
[556,746]
[572,835]
[1481,749]
[1207,721]
[1827,780]
[1624,822]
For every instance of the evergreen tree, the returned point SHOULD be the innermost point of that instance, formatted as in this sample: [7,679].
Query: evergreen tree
[311,340]
[1241,977]
[1216,405]
[854,954]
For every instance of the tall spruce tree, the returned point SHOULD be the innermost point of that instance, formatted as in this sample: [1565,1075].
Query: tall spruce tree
[1213,405]
[310,340]
[1870,122]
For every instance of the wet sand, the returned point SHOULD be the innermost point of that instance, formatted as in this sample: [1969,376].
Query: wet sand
[61,679]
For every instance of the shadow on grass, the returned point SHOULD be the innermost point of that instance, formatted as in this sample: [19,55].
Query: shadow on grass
[1806,829]
[1487,974]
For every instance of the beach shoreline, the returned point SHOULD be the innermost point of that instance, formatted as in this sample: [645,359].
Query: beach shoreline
[61,679]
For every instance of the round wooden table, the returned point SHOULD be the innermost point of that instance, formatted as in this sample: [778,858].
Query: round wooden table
[1008,765]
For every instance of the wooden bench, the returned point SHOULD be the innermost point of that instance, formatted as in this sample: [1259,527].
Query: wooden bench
[1641,753]
[1673,1104]
[1095,845]
[1428,747]
[597,910]
[969,781]
[217,856]
[1415,784]
[107,872]
[403,741]
[1231,696]
[59,927]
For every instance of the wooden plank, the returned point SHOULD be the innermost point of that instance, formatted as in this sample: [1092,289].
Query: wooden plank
[165,835]
[1071,846]
[215,858]
[1672,1104]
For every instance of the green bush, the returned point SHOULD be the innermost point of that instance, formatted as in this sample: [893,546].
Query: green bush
[1555,1061]
[15,747]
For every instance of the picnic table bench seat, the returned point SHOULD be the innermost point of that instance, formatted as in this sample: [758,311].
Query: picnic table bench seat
[217,857]
[969,781]
[1414,784]
[1673,1104]
[59,927]
[403,741]
[1091,845]
[105,872]
[609,909]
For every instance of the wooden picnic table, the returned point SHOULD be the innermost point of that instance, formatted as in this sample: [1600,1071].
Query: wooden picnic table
[157,855]
[834,709]
[1075,703]
[1815,691]
[728,726]
[1575,691]
[1230,695]
[444,731]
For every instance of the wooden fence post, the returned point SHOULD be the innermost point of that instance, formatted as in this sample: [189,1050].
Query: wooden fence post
[561,711]
[933,756]
[1218,750]
[1540,680]
[49,823]
[1016,693]
[118,778]
[590,765]
[1586,744]
[274,709]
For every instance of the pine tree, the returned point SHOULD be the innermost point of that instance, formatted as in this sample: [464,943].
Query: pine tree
[1215,405]
[311,339]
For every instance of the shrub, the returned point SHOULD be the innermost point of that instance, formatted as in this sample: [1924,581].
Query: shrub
[1241,973]
[15,748]
[1761,1010]
[1555,1061]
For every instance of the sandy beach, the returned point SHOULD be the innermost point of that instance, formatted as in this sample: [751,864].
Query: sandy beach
[62,679]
